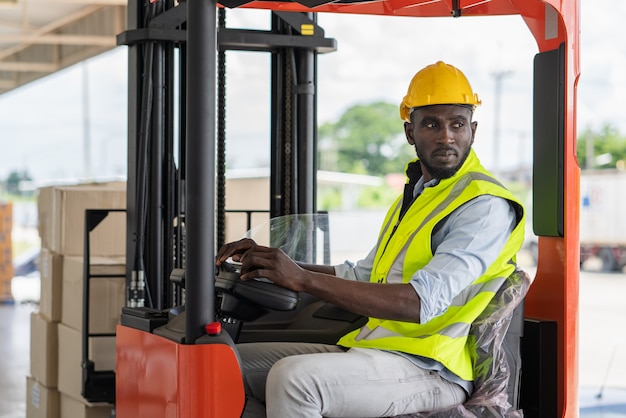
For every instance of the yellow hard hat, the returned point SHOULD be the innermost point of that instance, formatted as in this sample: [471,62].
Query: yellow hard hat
[439,83]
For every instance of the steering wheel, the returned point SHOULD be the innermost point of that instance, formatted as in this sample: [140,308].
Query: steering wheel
[250,299]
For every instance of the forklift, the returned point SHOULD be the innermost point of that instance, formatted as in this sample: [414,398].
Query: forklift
[176,345]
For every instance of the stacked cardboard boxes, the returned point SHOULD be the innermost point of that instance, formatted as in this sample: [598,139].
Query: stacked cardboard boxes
[6,255]
[55,382]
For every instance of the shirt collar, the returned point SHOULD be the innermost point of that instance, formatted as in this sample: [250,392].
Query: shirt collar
[421,185]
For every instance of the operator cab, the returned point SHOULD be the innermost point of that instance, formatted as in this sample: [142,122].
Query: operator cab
[258,310]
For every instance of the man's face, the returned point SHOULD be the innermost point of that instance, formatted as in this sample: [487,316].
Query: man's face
[442,136]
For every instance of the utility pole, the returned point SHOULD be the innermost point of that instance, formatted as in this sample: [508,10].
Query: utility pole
[498,78]
[86,125]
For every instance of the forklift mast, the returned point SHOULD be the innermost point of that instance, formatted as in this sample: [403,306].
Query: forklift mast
[158,201]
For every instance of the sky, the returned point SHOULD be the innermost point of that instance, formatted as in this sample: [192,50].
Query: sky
[45,125]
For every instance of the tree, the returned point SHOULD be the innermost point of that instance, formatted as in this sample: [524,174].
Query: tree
[367,139]
[607,146]
[14,179]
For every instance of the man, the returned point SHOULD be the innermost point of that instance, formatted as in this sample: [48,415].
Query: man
[444,248]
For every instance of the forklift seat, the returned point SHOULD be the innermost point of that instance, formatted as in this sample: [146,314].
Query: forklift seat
[495,337]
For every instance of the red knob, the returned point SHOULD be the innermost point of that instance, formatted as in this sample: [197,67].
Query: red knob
[214,328]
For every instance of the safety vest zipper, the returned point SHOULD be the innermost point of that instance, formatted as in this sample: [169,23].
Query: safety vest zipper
[393,231]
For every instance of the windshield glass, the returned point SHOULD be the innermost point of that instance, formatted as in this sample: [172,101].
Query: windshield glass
[321,238]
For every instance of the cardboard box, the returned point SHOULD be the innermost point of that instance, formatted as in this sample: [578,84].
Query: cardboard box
[62,218]
[51,277]
[101,351]
[44,346]
[107,295]
[6,260]
[6,218]
[74,408]
[6,247]
[6,296]
[6,253]
[41,401]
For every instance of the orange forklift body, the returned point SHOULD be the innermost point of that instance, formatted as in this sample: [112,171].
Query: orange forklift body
[205,381]
[164,379]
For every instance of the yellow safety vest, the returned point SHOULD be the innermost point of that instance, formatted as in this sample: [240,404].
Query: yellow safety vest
[405,247]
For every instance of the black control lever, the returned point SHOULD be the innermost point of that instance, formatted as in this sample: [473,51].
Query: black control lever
[177,276]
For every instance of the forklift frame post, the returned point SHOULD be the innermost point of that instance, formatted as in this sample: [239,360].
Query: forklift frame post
[201,166]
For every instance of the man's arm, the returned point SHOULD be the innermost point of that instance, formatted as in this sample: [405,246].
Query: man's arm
[319,268]
[387,301]
[467,244]
[399,302]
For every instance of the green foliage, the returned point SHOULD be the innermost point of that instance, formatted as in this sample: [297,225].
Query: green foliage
[329,198]
[11,187]
[608,146]
[380,197]
[367,139]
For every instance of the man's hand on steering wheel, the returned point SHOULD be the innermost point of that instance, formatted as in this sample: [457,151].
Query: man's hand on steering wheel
[263,262]
[234,249]
[273,264]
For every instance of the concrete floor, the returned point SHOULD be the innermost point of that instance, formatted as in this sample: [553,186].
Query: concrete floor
[14,358]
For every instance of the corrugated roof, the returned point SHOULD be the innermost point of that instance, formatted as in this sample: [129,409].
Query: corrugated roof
[39,37]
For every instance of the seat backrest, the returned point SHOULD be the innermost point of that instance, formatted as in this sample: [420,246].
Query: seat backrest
[495,338]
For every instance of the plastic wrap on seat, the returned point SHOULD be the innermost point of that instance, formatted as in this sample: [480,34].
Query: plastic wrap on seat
[491,367]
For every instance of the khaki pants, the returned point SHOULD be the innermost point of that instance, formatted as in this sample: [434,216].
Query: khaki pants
[298,380]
